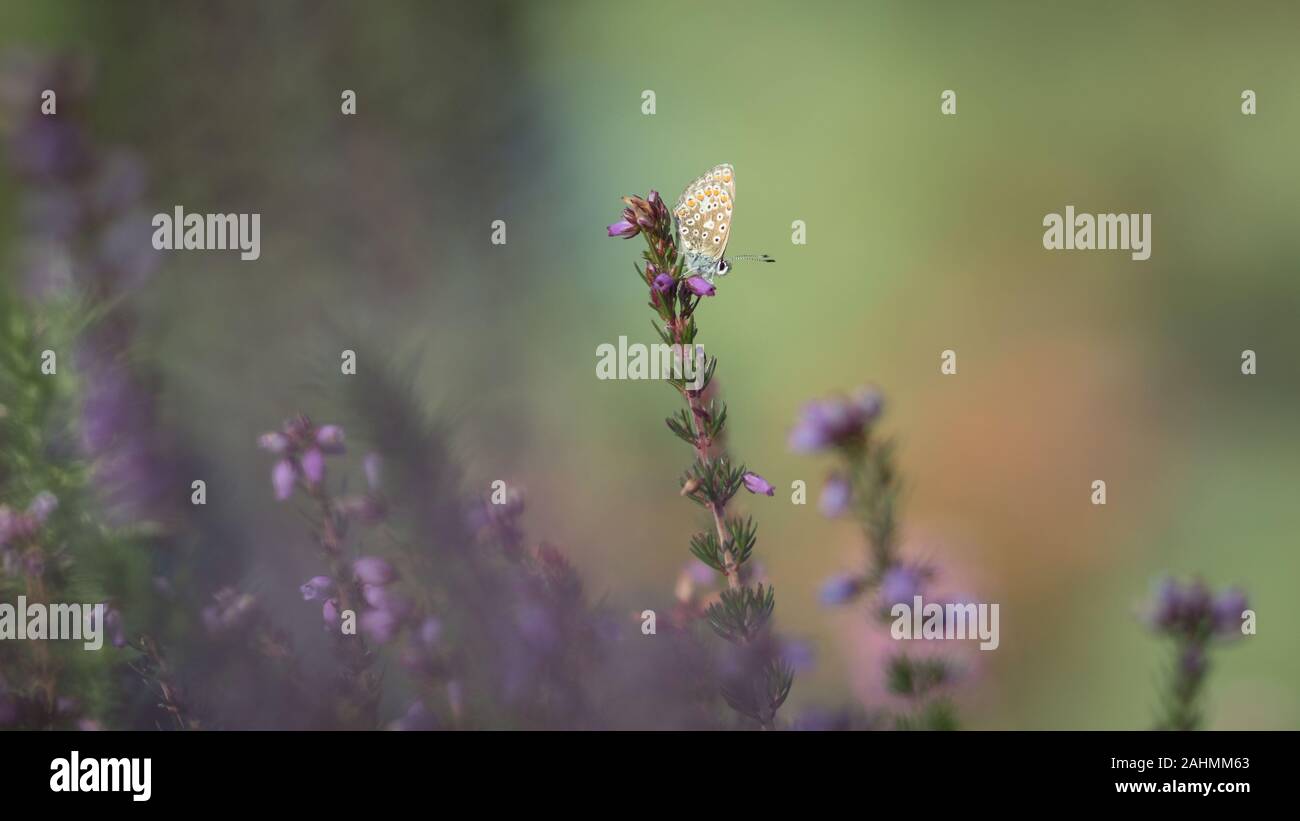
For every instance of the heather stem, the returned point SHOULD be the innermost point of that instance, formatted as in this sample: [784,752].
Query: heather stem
[729,562]
[1188,681]
[356,657]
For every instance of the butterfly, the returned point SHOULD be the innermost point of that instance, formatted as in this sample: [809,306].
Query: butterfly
[704,222]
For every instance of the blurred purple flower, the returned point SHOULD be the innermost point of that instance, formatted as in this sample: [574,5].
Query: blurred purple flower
[1228,609]
[317,587]
[283,477]
[313,466]
[373,570]
[383,598]
[330,613]
[835,422]
[273,442]
[330,438]
[900,585]
[840,589]
[1191,610]
[380,626]
[837,495]
[663,283]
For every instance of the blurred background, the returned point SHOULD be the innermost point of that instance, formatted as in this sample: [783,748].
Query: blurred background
[924,233]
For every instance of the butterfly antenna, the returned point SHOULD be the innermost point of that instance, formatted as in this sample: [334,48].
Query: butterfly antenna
[753,258]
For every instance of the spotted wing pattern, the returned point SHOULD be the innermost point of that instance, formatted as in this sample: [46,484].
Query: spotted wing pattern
[704,214]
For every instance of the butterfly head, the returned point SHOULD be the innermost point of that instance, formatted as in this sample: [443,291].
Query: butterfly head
[706,266]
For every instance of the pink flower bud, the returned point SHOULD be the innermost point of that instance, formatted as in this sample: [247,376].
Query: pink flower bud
[283,477]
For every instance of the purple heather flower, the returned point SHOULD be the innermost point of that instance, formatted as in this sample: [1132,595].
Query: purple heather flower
[757,484]
[313,466]
[663,283]
[868,402]
[836,421]
[1168,604]
[701,286]
[317,587]
[373,570]
[623,229]
[1228,607]
[837,494]
[900,584]
[383,598]
[645,213]
[330,613]
[330,438]
[273,442]
[380,626]
[283,477]
[1191,609]
[840,589]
